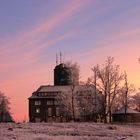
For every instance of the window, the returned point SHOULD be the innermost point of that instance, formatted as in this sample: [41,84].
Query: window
[37,119]
[56,102]
[37,110]
[37,102]
[57,111]
[50,102]
[39,94]
[49,111]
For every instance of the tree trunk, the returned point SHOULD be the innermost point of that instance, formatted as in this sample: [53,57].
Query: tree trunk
[72,103]
[109,108]
[95,84]
[105,106]
[126,94]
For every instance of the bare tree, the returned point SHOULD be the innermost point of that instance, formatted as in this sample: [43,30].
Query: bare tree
[108,81]
[135,101]
[95,70]
[68,101]
[85,102]
[89,100]
[92,82]
[75,71]
[64,101]
[124,97]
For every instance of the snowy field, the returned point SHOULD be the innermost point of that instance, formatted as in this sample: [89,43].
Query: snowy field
[68,131]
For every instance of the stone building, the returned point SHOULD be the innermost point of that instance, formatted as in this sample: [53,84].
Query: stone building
[47,103]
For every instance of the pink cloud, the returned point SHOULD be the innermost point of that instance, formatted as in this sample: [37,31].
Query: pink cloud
[46,26]
[32,55]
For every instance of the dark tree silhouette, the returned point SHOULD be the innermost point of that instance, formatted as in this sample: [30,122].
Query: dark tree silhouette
[5,115]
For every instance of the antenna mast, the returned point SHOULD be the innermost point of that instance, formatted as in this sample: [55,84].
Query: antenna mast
[56,59]
[60,57]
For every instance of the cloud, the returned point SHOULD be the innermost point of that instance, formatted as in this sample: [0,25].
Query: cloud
[46,26]
[26,58]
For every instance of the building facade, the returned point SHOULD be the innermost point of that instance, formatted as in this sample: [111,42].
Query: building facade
[53,103]
[44,106]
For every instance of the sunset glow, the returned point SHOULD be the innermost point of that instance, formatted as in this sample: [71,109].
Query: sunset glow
[85,31]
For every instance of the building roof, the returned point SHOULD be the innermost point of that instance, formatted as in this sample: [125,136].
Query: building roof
[128,111]
[63,88]
[50,88]
[59,89]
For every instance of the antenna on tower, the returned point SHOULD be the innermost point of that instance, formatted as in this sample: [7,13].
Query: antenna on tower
[56,59]
[60,57]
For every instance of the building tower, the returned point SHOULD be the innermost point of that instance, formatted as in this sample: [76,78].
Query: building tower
[62,75]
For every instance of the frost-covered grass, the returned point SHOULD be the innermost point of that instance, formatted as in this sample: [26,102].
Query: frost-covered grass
[68,131]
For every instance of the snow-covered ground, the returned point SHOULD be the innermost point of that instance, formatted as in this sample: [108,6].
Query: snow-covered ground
[68,131]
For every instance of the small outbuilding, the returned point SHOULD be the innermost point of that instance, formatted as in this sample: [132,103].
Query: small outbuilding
[130,116]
